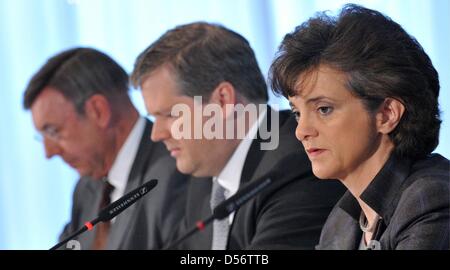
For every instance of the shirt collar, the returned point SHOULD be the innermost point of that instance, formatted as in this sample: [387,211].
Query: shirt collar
[381,193]
[120,170]
[230,176]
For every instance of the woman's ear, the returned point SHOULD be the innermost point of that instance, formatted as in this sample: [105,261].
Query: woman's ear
[389,115]
[98,109]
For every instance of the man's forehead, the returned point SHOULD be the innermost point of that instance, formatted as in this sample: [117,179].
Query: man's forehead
[166,106]
[161,75]
[161,92]
[49,106]
[50,94]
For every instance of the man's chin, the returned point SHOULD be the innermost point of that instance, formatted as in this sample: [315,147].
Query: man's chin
[191,171]
[94,176]
[184,168]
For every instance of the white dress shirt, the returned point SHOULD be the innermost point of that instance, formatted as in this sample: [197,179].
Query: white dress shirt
[230,176]
[120,170]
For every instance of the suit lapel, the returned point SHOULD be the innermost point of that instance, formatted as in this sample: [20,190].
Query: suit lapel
[350,241]
[257,163]
[197,208]
[253,166]
[206,211]
[92,202]
[353,236]
[120,229]
[253,159]
[344,233]
[255,155]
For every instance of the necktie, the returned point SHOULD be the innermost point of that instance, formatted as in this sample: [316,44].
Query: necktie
[220,227]
[102,232]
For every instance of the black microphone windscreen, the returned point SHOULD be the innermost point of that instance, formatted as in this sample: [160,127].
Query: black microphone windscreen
[126,201]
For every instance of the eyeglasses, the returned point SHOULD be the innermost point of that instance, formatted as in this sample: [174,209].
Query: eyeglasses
[50,132]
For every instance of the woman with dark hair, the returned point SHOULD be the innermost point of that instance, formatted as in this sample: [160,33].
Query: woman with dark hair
[365,95]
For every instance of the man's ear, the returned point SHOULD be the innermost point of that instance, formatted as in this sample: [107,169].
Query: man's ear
[224,95]
[389,115]
[98,109]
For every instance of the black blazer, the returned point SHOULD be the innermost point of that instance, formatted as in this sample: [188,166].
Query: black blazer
[413,200]
[289,215]
[148,223]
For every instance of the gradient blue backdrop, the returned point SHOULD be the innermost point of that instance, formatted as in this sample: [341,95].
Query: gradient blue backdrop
[35,193]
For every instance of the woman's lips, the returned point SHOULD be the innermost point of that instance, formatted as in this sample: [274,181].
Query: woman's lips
[314,152]
[174,152]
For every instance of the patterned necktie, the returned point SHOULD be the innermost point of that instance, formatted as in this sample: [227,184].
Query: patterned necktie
[102,232]
[220,227]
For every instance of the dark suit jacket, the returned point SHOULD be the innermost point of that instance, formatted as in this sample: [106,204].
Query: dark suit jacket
[288,215]
[411,197]
[148,223]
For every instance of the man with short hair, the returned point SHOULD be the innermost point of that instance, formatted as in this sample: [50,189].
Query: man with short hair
[80,105]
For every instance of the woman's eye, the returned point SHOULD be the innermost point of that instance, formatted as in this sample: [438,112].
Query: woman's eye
[325,110]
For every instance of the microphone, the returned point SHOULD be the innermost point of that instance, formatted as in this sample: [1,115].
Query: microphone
[228,206]
[112,210]
[234,202]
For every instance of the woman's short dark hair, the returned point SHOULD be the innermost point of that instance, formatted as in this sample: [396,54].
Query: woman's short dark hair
[380,60]
[78,74]
[202,55]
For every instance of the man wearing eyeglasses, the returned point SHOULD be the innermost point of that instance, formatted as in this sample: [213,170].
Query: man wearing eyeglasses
[80,106]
